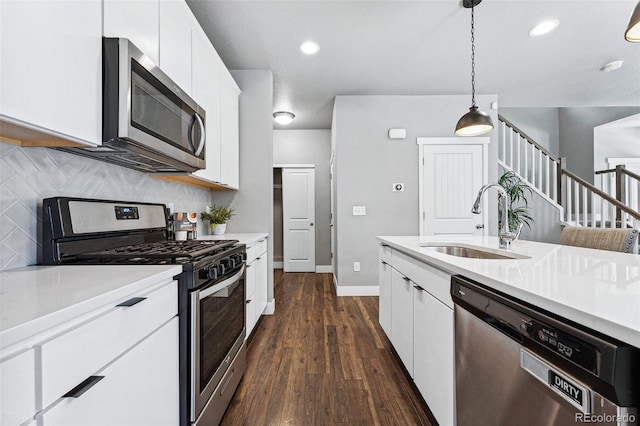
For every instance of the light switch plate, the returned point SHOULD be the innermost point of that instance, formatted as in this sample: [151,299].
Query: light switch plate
[359,210]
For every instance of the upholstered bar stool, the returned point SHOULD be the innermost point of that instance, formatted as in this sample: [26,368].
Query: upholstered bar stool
[623,240]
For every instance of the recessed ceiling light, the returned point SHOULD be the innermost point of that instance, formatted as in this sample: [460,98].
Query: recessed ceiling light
[611,66]
[544,27]
[283,117]
[309,47]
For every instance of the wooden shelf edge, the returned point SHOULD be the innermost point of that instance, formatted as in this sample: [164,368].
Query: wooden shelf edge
[15,134]
[188,179]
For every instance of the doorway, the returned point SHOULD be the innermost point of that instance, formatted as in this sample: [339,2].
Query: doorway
[294,218]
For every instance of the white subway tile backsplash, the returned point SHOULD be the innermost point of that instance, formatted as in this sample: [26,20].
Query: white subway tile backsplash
[28,175]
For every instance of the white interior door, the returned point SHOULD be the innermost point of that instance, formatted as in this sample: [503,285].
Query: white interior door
[298,211]
[451,176]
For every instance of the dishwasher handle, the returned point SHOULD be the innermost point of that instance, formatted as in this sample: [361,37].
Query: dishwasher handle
[568,388]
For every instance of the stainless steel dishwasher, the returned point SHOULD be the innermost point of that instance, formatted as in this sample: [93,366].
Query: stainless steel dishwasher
[518,365]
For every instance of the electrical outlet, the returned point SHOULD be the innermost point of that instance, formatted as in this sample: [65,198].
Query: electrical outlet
[397,187]
[359,210]
[356,266]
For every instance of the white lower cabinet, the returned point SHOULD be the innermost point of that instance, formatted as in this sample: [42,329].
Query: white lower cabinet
[17,388]
[416,307]
[138,388]
[256,280]
[402,318]
[384,300]
[115,365]
[434,357]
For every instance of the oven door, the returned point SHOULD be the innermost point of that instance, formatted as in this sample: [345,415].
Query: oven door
[217,334]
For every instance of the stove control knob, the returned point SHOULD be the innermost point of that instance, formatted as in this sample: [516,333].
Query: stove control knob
[212,272]
[221,269]
[232,262]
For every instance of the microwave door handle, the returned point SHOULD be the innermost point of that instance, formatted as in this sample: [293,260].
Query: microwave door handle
[203,135]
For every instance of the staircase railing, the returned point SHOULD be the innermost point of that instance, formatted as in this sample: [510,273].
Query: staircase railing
[579,202]
[586,205]
[531,161]
[622,184]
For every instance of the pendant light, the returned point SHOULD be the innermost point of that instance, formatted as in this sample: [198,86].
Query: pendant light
[633,30]
[475,122]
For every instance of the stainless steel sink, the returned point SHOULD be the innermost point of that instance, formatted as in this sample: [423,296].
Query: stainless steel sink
[461,251]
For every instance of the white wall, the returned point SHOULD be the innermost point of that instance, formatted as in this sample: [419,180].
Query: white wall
[576,135]
[253,202]
[310,147]
[367,163]
[618,139]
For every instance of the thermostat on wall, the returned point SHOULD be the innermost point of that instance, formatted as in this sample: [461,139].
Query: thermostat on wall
[397,133]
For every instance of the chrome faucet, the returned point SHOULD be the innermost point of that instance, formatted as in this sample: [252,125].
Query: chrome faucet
[506,236]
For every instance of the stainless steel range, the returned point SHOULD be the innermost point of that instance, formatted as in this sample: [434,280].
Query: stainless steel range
[211,288]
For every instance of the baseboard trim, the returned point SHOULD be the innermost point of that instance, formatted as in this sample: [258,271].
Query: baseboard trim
[324,269]
[278,264]
[271,308]
[353,290]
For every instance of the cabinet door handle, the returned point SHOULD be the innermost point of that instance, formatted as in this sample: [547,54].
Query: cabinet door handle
[133,301]
[383,262]
[258,258]
[248,301]
[406,278]
[83,387]
[417,287]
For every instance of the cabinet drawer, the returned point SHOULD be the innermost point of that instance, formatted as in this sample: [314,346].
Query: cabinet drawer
[72,357]
[432,279]
[140,388]
[255,250]
[385,253]
[17,389]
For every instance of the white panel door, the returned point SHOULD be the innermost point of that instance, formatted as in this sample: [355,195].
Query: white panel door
[451,177]
[298,210]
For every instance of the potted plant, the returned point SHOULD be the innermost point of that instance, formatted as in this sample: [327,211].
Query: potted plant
[518,212]
[217,218]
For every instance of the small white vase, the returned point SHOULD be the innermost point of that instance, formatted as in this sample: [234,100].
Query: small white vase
[219,229]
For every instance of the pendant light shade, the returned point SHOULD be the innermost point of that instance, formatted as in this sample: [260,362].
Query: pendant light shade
[475,122]
[633,30]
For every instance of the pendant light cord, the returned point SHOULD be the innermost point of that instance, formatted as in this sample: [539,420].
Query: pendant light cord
[473,61]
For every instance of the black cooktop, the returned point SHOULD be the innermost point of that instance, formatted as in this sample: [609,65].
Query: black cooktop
[160,252]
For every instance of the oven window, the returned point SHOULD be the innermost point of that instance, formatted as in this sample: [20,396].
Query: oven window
[222,317]
[156,110]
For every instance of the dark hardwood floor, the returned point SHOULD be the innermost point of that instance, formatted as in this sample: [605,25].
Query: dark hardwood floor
[322,360]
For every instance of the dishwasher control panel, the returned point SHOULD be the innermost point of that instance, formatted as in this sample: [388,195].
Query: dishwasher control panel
[568,346]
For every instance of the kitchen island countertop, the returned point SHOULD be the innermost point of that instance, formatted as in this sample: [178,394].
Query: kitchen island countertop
[595,288]
[37,298]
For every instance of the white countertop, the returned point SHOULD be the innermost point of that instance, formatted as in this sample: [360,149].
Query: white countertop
[244,238]
[596,288]
[36,298]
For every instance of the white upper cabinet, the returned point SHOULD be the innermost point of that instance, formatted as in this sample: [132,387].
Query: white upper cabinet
[189,58]
[206,90]
[136,20]
[51,71]
[230,132]
[176,24]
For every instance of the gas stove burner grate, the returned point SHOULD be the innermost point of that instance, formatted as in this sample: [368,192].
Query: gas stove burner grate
[190,249]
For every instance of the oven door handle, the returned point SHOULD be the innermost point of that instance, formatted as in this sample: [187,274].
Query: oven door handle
[222,285]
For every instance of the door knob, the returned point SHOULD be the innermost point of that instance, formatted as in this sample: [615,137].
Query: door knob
[311,224]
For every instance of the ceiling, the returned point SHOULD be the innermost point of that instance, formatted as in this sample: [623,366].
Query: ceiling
[423,48]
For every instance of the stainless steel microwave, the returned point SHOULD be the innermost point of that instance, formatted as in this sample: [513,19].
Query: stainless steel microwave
[149,123]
